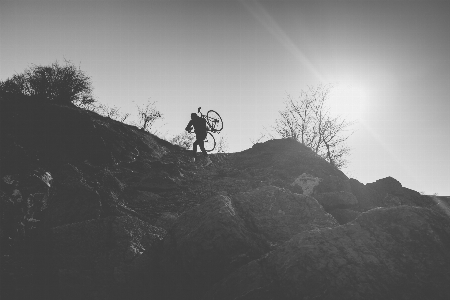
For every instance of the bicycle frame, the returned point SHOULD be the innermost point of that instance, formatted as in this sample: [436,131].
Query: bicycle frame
[205,117]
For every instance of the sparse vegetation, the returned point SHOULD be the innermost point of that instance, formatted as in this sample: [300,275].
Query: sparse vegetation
[147,115]
[308,120]
[222,145]
[184,140]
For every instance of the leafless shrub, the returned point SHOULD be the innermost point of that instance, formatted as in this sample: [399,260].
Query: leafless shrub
[308,120]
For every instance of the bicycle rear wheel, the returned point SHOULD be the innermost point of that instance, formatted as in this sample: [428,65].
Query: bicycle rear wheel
[214,120]
[210,142]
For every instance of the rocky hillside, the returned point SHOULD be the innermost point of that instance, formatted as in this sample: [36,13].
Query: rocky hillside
[95,209]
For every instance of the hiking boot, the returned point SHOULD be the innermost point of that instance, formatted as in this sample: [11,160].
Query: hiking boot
[208,161]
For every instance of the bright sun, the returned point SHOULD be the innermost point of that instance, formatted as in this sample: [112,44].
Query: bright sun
[349,100]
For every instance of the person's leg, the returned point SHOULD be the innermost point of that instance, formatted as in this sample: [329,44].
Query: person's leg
[194,148]
[202,147]
[201,142]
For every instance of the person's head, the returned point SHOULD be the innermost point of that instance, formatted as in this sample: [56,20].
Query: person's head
[193,116]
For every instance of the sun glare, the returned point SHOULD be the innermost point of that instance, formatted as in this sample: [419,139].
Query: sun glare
[349,100]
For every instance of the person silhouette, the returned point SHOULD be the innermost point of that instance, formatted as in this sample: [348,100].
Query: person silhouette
[200,129]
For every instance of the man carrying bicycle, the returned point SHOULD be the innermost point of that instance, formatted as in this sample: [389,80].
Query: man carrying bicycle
[200,129]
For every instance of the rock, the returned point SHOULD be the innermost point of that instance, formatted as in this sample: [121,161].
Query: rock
[279,214]
[367,198]
[413,198]
[97,255]
[23,201]
[135,198]
[73,201]
[205,244]
[441,204]
[307,183]
[343,216]
[386,253]
[391,200]
[332,200]
[386,185]
[79,191]
[156,183]
[166,220]
[386,192]
[210,241]
[333,183]
[250,282]
[282,159]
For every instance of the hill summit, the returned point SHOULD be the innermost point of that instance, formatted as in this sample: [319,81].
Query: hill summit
[92,208]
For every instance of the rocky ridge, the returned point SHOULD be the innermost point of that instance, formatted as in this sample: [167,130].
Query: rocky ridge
[95,209]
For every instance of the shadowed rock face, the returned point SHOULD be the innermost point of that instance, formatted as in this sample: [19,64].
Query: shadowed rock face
[396,253]
[95,209]
[95,255]
[384,193]
[223,233]
[279,214]
[341,199]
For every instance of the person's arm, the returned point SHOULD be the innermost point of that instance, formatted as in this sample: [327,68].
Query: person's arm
[206,125]
[189,126]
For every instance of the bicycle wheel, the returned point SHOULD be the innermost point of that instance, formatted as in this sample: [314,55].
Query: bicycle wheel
[214,120]
[210,142]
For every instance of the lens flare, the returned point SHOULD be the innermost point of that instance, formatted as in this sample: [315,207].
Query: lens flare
[442,205]
[268,22]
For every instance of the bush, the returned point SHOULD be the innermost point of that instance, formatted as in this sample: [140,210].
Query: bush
[62,84]
[184,140]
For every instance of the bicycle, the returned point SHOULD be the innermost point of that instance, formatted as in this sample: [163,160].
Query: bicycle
[215,125]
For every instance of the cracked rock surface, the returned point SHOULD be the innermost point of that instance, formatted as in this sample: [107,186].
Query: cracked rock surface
[92,208]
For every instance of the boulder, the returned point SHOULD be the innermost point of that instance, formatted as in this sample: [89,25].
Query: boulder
[279,214]
[386,192]
[138,199]
[23,200]
[332,200]
[166,220]
[413,198]
[78,192]
[391,200]
[386,185]
[306,183]
[367,198]
[386,253]
[285,160]
[211,240]
[94,257]
[344,215]
[156,183]
[206,243]
[73,201]
[333,183]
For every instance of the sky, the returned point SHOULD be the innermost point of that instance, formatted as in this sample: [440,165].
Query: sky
[389,63]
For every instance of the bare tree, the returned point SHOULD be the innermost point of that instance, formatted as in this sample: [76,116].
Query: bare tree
[309,121]
[148,114]
[222,145]
[111,112]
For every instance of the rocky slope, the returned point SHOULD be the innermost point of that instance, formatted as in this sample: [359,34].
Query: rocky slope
[95,209]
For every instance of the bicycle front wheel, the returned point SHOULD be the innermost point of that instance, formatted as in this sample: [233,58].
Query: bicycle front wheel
[214,120]
[210,142]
